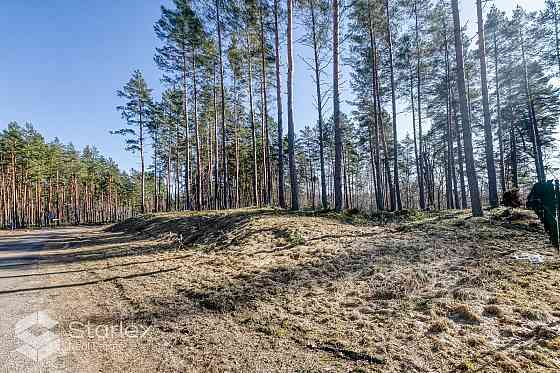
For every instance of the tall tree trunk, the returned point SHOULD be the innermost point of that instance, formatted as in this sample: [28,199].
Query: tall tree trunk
[386,164]
[449,153]
[14,194]
[237,130]
[539,167]
[513,144]
[281,193]
[57,197]
[374,162]
[345,175]
[265,142]
[419,94]
[216,154]
[460,158]
[488,138]
[187,138]
[142,168]
[317,70]
[209,171]
[168,186]
[253,131]
[538,143]
[449,103]
[394,108]
[312,177]
[291,132]
[225,190]
[197,137]
[416,155]
[379,195]
[336,115]
[503,182]
[156,180]
[467,133]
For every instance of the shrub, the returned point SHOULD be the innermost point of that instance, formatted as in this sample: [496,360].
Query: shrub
[512,198]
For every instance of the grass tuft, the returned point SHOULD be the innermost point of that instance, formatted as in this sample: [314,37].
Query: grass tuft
[493,310]
[465,312]
[533,314]
[439,325]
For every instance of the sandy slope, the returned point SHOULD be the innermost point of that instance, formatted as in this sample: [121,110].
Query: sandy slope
[263,290]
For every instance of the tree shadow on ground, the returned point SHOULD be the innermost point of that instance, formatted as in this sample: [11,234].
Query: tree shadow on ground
[213,231]
[249,289]
[137,237]
[92,282]
[70,250]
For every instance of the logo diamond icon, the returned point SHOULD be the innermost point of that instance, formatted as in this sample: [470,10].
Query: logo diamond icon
[41,346]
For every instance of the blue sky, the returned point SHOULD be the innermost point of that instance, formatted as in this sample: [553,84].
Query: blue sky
[63,61]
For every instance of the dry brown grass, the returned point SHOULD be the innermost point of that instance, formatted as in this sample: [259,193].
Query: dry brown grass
[533,314]
[465,312]
[439,326]
[493,310]
[264,290]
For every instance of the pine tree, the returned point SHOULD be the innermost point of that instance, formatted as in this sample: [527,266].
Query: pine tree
[489,149]
[135,112]
[336,112]
[294,186]
[280,136]
[465,120]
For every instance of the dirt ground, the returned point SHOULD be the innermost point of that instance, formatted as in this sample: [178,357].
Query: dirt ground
[264,290]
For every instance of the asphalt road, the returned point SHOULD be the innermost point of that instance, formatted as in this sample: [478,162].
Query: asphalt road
[28,339]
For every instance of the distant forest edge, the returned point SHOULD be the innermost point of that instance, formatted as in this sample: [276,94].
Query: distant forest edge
[44,184]
[485,113]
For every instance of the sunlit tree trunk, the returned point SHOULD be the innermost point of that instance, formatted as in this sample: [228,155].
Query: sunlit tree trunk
[294,186]
[379,196]
[317,71]
[537,153]
[197,137]
[336,115]
[215,143]
[467,133]
[267,172]
[394,108]
[187,205]
[281,193]
[253,130]
[503,182]
[225,189]
[450,130]
[421,190]
[142,167]
[488,138]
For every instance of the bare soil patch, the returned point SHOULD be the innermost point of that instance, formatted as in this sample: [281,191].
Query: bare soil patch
[265,290]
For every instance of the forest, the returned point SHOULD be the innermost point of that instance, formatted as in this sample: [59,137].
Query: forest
[44,184]
[484,111]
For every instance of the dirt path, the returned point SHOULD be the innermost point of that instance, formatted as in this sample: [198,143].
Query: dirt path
[29,300]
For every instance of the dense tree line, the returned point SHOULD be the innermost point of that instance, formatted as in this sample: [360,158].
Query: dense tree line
[44,184]
[484,107]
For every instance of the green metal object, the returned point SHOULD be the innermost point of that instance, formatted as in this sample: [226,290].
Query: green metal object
[544,199]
